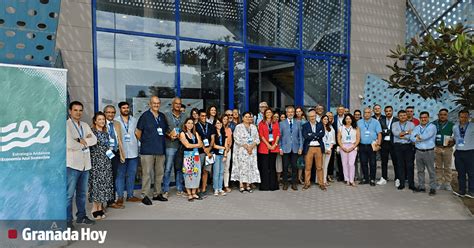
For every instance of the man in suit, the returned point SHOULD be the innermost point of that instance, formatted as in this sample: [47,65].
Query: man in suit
[387,145]
[336,125]
[291,146]
[313,149]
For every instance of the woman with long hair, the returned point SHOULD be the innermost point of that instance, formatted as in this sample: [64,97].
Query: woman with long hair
[269,133]
[348,139]
[212,114]
[245,168]
[329,141]
[220,152]
[101,186]
[228,134]
[194,115]
[191,161]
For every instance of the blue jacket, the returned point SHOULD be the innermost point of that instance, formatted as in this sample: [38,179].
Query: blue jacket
[309,136]
[290,141]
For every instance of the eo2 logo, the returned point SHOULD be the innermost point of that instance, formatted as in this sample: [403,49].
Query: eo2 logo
[37,134]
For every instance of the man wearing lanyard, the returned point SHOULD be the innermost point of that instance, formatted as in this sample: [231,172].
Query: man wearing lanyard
[175,119]
[127,169]
[443,150]
[403,146]
[115,138]
[291,146]
[464,154]
[336,125]
[151,128]
[387,145]
[79,137]
[424,136]
[206,131]
[370,132]
[260,116]
[313,149]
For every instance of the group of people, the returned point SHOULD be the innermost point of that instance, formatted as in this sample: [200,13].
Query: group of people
[266,150]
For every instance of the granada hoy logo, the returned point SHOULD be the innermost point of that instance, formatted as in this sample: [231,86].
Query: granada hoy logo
[23,135]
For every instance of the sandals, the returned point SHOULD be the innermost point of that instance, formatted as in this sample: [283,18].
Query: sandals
[249,189]
[97,214]
[190,198]
[242,190]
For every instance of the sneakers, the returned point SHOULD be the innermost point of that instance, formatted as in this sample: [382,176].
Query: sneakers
[459,193]
[372,182]
[222,192]
[470,195]
[165,195]
[216,192]
[382,181]
[85,221]
[397,183]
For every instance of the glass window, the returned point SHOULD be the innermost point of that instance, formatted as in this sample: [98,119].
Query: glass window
[325,26]
[211,20]
[156,17]
[315,82]
[240,85]
[203,74]
[273,23]
[134,67]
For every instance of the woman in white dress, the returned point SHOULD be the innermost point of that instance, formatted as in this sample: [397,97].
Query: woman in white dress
[245,169]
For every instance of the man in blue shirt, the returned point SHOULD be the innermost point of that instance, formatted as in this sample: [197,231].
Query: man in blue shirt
[151,129]
[206,131]
[370,132]
[424,136]
[401,131]
[464,154]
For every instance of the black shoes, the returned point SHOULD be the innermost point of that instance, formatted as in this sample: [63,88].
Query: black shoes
[415,190]
[285,186]
[470,195]
[159,197]
[294,186]
[401,187]
[85,221]
[372,182]
[364,182]
[146,201]
[432,192]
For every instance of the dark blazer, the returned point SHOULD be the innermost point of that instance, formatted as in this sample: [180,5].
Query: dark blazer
[309,136]
[385,129]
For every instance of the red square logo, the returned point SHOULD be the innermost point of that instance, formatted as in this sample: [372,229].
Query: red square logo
[12,234]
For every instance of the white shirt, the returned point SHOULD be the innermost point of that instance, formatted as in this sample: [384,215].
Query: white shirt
[339,121]
[348,135]
[329,137]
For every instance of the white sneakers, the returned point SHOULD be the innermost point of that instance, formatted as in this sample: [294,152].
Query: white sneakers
[219,192]
[382,181]
[397,183]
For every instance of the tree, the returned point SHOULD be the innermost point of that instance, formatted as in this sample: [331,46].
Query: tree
[436,64]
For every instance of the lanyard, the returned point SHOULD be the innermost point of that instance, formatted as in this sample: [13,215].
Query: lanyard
[462,131]
[249,131]
[157,120]
[389,124]
[176,120]
[125,125]
[205,133]
[404,126]
[80,132]
[270,129]
[193,138]
[348,131]
[367,125]
[422,130]
[441,128]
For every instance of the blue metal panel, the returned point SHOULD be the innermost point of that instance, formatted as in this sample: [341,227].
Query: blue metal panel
[178,52]
[28,32]
[231,77]
[328,106]
[348,61]
[94,56]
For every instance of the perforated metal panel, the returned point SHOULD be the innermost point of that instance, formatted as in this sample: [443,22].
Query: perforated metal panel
[432,12]
[315,82]
[28,31]
[325,26]
[377,92]
[338,80]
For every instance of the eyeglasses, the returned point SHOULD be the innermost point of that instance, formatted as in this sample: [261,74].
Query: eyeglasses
[228,114]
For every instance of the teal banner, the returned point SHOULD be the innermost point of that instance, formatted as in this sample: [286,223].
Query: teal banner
[32,143]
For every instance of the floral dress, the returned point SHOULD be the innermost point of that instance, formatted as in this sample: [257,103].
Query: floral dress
[245,169]
[191,165]
[101,187]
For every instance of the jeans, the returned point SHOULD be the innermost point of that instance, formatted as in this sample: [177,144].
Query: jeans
[77,181]
[218,173]
[169,165]
[367,158]
[465,166]
[128,169]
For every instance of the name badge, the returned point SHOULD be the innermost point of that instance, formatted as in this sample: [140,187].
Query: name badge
[461,142]
[385,130]
[85,149]
[127,137]
[327,146]
[270,137]
[110,154]
[438,138]
[249,140]
[160,131]
[387,138]
[367,133]
[348,138]
[206,142]
[111,142]
[313,143]
[221,151]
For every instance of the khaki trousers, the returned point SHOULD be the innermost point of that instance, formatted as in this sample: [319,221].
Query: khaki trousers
[443,162]
[314,154]
[152,166]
